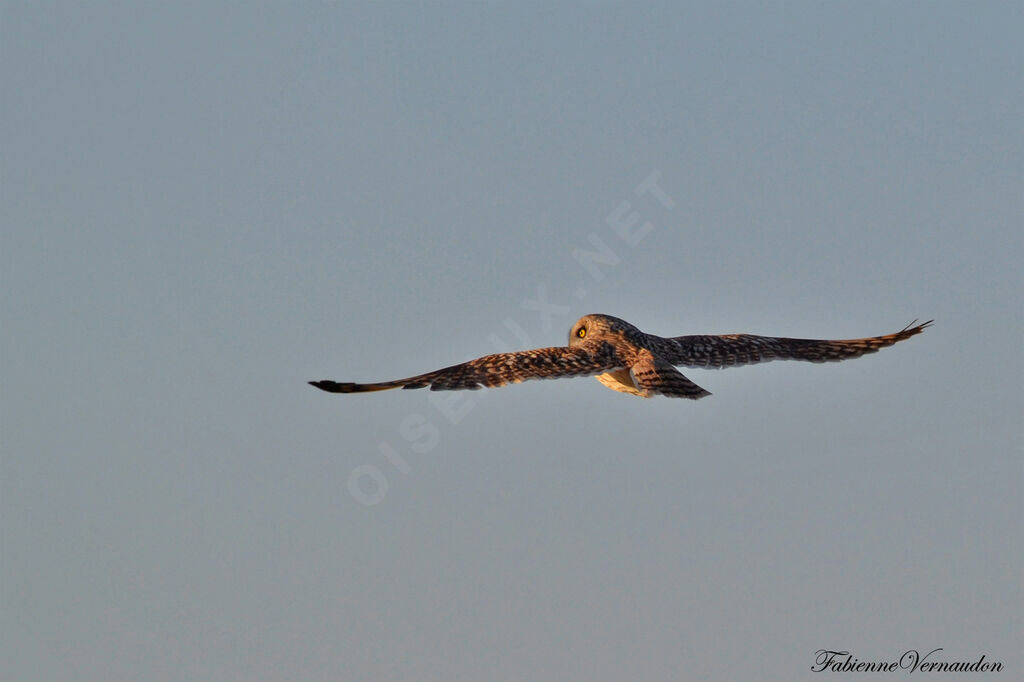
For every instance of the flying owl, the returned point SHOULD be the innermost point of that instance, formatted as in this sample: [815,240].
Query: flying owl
[623,358]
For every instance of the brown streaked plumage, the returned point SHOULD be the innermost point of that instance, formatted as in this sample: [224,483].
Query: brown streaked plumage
[628,360]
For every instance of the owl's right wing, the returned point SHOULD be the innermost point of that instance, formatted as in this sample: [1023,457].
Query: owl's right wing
[500,369]
[732,350]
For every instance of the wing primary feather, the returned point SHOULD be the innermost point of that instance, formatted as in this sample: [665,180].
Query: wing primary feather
[339,387]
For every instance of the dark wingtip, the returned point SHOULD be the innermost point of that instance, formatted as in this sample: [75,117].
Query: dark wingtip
[913,328]
[332,386]
[336,387]
[322,385]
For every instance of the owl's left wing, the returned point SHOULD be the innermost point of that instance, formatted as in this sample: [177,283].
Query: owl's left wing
[500,369]
[732,350]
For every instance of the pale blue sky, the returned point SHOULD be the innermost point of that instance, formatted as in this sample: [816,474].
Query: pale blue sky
[204,206]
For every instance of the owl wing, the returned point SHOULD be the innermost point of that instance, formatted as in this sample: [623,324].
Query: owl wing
[732,350]
[500,369]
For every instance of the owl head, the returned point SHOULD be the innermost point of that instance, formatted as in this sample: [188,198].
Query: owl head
[590,327]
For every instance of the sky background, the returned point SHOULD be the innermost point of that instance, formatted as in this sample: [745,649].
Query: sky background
[205,205]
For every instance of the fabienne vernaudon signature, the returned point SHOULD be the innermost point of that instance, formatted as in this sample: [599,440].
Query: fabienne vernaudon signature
[827,660]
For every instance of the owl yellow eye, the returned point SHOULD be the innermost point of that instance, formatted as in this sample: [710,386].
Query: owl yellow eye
[582,332]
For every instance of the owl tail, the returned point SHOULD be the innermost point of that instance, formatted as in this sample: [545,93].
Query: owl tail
[655,376]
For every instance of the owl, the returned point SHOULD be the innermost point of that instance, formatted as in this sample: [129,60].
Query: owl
[625,359]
